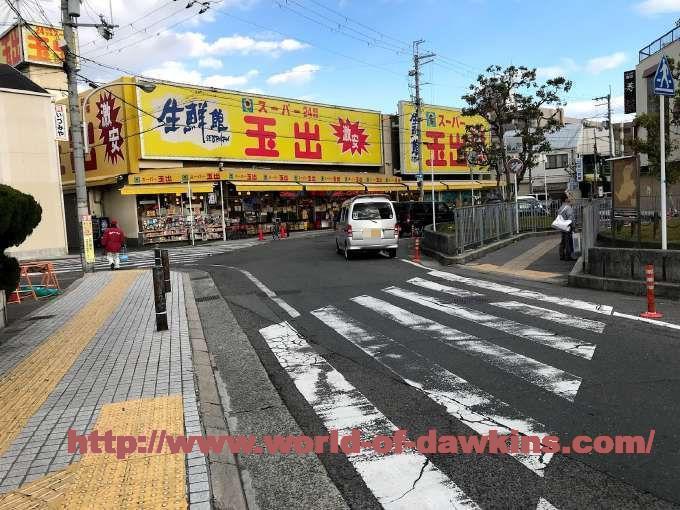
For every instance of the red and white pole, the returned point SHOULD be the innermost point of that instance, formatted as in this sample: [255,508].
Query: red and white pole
[416,251]
[651,312]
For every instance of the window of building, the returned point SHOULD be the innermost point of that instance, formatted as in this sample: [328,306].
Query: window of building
[557,161]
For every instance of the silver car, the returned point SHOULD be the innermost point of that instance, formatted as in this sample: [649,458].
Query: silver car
[366,222]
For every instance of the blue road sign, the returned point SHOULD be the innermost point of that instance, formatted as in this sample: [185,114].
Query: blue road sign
[664,85]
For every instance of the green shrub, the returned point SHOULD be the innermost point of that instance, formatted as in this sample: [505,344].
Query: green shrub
[19,215]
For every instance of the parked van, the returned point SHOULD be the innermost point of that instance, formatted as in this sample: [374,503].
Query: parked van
[366,222]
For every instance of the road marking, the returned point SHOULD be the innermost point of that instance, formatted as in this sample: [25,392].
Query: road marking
[427,284]
[561,383]
[532,255]
[649,321]
[392,477]
[267,291]
[544,504]
[471,405]
[540,336]
[527,294]
[552,315]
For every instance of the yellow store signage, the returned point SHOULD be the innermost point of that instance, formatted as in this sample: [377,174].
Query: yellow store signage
[442,131]
[183,122]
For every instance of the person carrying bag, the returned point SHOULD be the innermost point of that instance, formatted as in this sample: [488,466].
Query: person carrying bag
[565,224]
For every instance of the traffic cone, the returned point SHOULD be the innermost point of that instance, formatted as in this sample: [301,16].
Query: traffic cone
[416,250]
[651,312]
[260,234]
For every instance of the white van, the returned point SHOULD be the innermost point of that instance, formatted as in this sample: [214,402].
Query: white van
[366,222]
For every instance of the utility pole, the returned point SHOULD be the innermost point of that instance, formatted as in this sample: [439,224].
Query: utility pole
[70,10]
[608,98]
[419,60]
[596,187]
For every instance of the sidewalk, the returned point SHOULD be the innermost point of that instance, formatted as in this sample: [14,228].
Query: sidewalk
[92,360]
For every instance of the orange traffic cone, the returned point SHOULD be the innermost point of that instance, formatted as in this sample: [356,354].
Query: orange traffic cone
[260,234]
[651,312]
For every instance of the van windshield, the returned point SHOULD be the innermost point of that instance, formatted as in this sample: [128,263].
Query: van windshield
[372,211]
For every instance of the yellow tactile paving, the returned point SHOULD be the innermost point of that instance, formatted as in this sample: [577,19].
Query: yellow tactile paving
[45,493]
[102,481]
[26,387]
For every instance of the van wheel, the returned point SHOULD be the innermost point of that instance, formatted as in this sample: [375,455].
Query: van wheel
[392,252]
[348,254]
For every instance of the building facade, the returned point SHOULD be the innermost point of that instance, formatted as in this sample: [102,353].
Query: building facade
[29,159]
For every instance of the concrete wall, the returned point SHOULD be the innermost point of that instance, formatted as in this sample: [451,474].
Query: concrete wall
[29,162]
[629,263]
[122,208]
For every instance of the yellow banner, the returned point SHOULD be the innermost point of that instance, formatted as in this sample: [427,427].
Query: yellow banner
[88,240]
[442,131]
[205,124]
[111,152]
[42,45]
[11,52]
[171,176]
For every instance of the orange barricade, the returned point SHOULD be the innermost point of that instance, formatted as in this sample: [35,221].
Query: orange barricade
[28,272]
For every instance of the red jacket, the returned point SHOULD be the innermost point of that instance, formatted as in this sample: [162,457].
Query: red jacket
[113,239]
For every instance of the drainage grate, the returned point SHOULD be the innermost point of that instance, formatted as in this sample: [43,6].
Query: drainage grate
[205,277]
[207,298]
[39,317]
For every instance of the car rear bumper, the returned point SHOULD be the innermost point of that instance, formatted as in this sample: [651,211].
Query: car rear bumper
[371,244]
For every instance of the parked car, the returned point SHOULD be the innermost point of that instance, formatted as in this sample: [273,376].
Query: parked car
[413,216]
[530,205]
[366,222]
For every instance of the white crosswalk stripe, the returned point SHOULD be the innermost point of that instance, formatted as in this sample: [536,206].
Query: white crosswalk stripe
[343,408]
[541,336]
[145,258]
[554,380]
[427,284]
[477,409]
[526,294]
[552,315]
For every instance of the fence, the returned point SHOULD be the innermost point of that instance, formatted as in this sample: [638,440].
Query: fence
[480,225]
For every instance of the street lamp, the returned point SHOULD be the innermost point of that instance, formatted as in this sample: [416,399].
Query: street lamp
[143,85]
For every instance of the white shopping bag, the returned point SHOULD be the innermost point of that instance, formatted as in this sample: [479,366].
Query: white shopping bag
[561,224]
[576,242]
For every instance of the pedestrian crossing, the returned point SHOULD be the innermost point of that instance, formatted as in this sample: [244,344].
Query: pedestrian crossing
[145,258]
[418,331]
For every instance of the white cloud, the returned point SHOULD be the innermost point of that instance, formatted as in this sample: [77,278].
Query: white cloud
[210,63]
[177,72]
[550,72]
[297,75]
[240,44]
[605,63]
[589,110]
[658,6]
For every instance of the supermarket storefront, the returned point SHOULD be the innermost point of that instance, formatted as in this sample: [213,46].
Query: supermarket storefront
[181,204]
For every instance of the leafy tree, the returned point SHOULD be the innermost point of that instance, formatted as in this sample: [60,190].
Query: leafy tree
[651,145]
[512,96]
[19,215]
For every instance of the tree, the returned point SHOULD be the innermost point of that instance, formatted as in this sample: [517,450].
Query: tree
[513,97]
[651,144]
[19,215]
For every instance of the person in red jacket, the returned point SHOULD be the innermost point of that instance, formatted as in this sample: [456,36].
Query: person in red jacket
[113,240]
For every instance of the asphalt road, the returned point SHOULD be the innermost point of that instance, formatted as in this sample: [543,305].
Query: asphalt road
[373,347]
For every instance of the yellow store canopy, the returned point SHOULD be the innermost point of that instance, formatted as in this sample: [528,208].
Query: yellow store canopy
[427,185]
[333,186]
[385,187]
[266,186]
[162,189]
[462,185]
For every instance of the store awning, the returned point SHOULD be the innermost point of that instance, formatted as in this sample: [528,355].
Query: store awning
[266,186]
[333,186]
[463,185]
[427,185]
[162,189]
[390,186]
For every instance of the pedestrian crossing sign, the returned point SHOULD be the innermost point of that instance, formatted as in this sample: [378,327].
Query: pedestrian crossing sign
[664,85]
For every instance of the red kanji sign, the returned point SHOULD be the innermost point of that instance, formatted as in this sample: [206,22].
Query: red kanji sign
[308,137]
[266,146]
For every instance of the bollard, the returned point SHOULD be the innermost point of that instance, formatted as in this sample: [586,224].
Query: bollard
[165,259]
[284,234]
[157,256]
[651,312]
[416,254]
[159,299]
[260,234]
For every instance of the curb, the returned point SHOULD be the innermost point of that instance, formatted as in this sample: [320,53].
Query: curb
[226,486]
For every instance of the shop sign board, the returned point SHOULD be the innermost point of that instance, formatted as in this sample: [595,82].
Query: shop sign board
[182,176]
[60,125]
[110,151]
[190,123]
[442,131]
[625,180]
[32,43]
[88,239]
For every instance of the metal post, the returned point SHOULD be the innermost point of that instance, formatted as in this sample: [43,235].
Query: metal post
[224,225]
[159,299]
[165,261]
[157,259]
[662,137]
[434,221]
[516,206]
[191,214]
[76,129]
